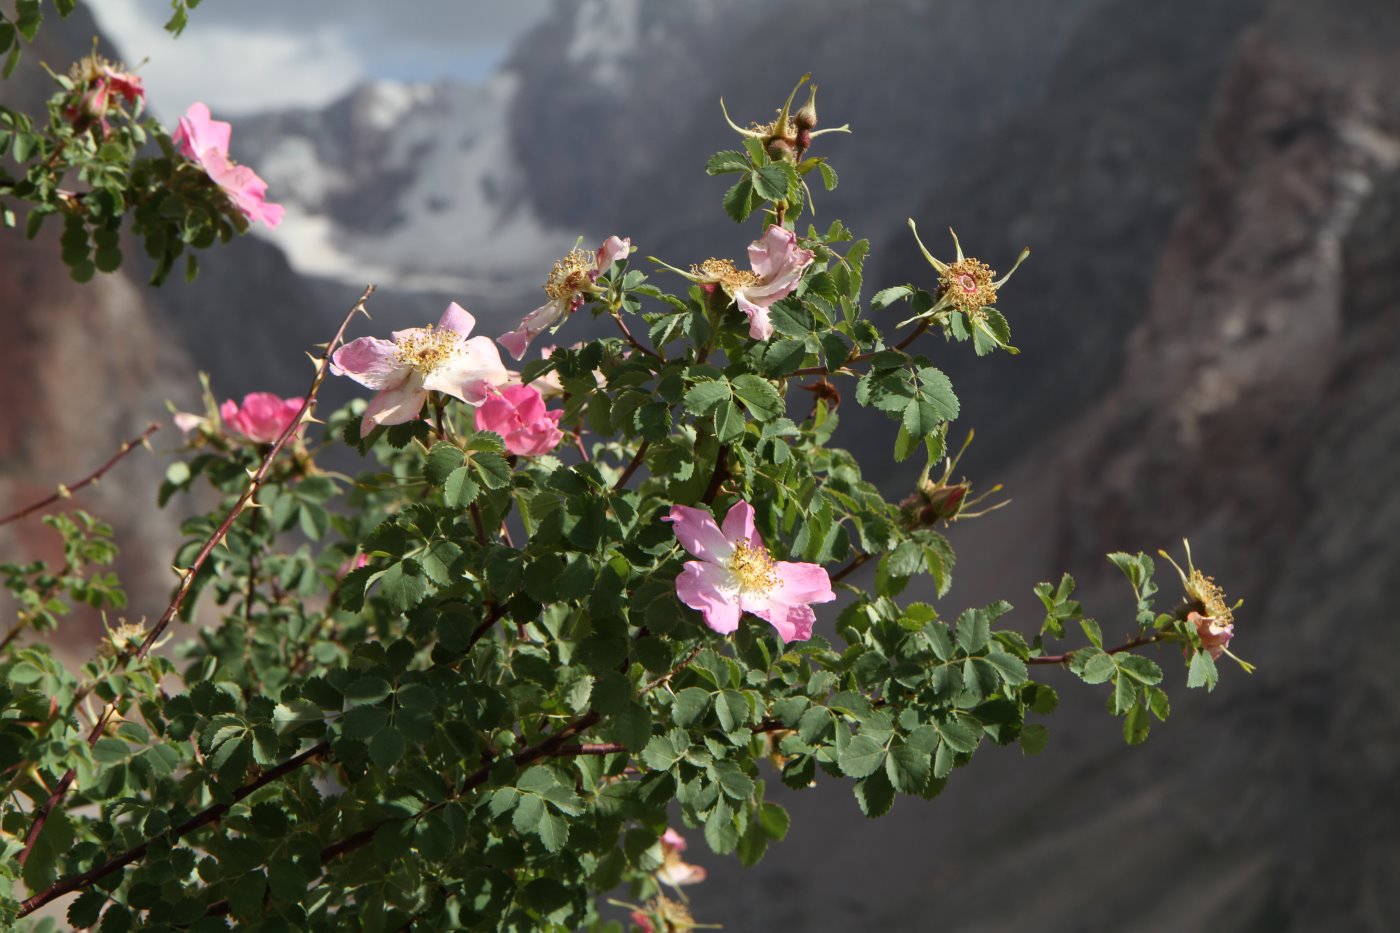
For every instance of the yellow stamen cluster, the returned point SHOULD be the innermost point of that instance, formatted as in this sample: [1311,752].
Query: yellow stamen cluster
[723,272]
[1204,590]
[571,275]
[427,348]
[754,568]
[126,637]
[967,283]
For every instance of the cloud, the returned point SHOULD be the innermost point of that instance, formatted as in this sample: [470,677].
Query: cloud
[252,55]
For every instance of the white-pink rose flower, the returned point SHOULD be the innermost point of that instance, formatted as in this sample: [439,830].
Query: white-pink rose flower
[674,871]
[777,266]
[571,280]
[517,413]
[206,142]
[736,574]
[262,417]
[420,360]
[103,86]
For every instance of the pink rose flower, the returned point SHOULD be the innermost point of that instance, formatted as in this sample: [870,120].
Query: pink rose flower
[570,282]
[206,142]
[262,417]
[777,266]
[643,922]
[735,574]
[420,360]
[517,413]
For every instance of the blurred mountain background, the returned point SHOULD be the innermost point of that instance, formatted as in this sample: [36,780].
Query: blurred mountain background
[1209,331]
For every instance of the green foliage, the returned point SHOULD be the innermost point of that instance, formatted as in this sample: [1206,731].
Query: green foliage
[488,720]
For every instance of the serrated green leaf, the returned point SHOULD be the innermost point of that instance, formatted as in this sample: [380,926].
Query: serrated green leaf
[759,396]
[705,395]
[861,756]
[729,160]
[442,460]
[875,795]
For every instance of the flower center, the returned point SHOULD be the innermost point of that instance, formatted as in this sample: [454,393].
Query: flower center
[427,348]
[753,568]
[724,273]
[571,275]
[1211,597]
[968,283]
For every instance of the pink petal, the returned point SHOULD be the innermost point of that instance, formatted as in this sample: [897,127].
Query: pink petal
[395,404]
[697,532]
[801,583]
[673,840]
[472,370]
[370,361]
[709,588]
[612,250]
[738,525]
[457,318]
[770,253]
[197,133]
[188,422]
[792,622]
[760,326]
[531,326]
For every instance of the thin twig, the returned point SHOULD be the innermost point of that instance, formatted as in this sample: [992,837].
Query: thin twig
[622,326]
[1069,655]
[203,818]
[65,492]
[849,568]
[188,576]
[632,467]
[718,477]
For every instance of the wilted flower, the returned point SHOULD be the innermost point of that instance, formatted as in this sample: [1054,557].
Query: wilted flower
[777,265]
[261,418]
[941,499]
[1206,609]
[188,421]
[789,134]
[420,360]
[517,413]
[672,917]
[673,870]
[206,142]
[571,280]
[736,574]
[967,292]
[100,87]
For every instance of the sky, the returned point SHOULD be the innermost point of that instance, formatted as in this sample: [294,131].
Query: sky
[240,56]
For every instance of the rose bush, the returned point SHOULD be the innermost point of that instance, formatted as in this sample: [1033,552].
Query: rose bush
[475,685]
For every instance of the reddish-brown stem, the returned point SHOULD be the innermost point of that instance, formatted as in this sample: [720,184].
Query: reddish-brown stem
[492,617]
[476,520]
[1069,655]
[718,477]
[849,568]
[860,358]
[187,577]
[65,492]
[582,452]
[626,332]
[632,467]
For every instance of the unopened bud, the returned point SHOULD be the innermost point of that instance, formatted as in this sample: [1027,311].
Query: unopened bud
[806,118]
[780,150]
[804,139]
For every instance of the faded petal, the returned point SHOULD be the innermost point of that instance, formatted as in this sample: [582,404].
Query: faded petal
[395,404]
[710,589]
[370,361]
[697,532]
[760,325]
[611,251]
[187,422]
[457,319]
[531,326]
[771,253]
